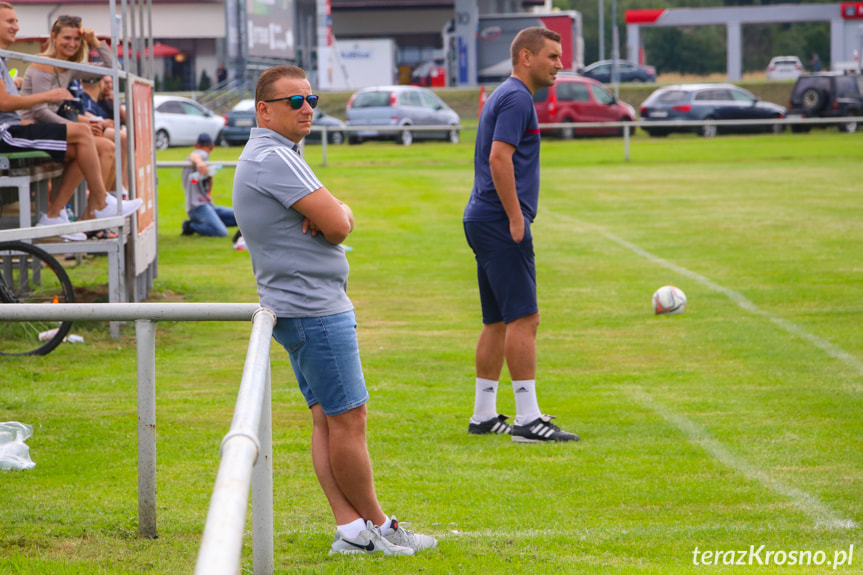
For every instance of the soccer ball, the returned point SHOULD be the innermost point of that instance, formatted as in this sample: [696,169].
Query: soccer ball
[669,300]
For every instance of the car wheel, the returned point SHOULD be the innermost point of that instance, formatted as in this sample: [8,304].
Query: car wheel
[813,100]
[162,140]
[453,136]
[707,131]
[337,138]
[406,138]
[568,132]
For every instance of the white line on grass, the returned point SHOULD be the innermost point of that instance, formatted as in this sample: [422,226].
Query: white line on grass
[827,347]
[820,513]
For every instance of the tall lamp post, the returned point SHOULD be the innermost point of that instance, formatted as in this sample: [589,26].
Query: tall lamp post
[601,29]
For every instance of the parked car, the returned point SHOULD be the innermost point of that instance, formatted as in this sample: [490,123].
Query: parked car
[335,134]
[403,106]
[239,123]
[697,102]
[784,68]
[241,119]
[178,121]
[579,99]
[626,72]
[826,95]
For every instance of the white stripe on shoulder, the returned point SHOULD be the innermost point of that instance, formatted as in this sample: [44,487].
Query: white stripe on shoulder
[299,167]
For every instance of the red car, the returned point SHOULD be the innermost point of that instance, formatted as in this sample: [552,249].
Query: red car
[578,99]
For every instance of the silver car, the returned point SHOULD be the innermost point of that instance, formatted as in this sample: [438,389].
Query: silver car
[402,106]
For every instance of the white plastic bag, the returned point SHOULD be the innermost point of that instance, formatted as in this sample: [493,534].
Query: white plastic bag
[14,453]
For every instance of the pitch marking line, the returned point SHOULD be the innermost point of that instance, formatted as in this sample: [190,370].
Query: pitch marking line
[810,505]
[827,347]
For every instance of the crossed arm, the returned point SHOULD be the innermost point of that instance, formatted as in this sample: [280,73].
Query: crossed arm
[326,215]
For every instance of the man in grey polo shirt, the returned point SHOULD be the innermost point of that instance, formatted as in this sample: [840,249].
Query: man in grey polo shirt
[293,226]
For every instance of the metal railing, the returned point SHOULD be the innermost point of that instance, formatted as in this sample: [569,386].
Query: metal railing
[627,127]
[246,450]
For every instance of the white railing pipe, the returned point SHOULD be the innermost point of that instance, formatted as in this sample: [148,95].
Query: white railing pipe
[242,448]
[154,311]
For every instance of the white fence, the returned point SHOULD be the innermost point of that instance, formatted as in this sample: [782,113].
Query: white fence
[246,450]
[675,125]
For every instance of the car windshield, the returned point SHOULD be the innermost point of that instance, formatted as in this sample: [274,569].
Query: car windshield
[672,97]
[372,100]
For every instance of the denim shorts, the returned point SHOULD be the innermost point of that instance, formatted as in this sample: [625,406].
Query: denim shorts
[325,356]
[505,270]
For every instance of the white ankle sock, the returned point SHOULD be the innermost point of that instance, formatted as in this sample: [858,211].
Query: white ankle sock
[352,529]
[387,527]
[526,406]
[485,400]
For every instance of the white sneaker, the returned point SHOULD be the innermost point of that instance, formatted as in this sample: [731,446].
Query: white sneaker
[44,220]
[368,542]
[404,538]
[128,207]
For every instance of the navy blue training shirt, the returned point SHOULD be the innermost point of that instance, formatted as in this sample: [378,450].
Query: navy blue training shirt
[508,116]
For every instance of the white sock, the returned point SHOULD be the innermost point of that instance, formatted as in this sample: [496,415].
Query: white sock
[526,406]
[387,527]
[352,529]
[485,400]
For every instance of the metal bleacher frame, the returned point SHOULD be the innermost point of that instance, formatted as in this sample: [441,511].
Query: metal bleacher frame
[27,180]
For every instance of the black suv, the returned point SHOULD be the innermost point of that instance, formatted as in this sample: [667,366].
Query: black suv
[826,95]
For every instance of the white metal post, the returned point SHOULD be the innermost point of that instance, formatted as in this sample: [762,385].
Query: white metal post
[263,549]
[145,331]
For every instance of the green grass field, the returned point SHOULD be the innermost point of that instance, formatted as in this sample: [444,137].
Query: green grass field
[734,426]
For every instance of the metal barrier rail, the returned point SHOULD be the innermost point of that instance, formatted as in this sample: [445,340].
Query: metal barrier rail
[627,126]
[246,450]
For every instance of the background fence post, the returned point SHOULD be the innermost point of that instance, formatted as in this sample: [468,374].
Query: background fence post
[145,331]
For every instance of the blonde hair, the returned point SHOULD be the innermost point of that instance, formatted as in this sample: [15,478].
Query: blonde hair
[65,21]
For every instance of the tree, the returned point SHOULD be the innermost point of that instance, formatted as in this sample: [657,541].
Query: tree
[205,82]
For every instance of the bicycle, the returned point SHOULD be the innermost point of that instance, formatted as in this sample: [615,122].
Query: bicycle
[29,274]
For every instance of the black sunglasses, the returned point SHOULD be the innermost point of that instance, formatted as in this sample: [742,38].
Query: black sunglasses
[65,19]
[297,101]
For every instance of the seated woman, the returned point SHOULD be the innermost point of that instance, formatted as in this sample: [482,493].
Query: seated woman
[69,41]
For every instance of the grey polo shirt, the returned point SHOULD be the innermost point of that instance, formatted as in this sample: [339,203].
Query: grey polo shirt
[297,275]
[11,118]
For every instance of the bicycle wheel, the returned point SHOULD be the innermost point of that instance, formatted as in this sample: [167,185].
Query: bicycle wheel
[29,274]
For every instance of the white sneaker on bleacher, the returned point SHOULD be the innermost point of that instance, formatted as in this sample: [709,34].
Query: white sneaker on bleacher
[129,207]
[44,220]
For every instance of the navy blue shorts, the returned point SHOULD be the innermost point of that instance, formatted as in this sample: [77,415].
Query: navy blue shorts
[505,270]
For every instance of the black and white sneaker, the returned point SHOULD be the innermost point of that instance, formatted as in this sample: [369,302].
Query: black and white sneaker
[368,542]
[494,425]
[541,429]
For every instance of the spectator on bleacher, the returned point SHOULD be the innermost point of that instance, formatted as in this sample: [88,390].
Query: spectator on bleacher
[106,98]
[71,42]
[72,143]
[91,90]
